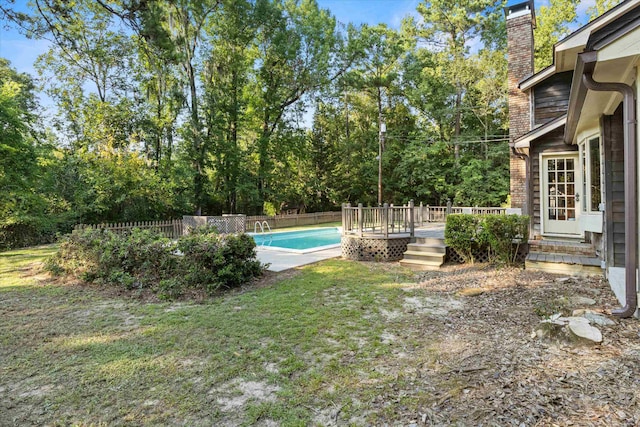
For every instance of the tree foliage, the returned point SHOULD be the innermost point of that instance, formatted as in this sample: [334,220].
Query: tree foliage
[168,108]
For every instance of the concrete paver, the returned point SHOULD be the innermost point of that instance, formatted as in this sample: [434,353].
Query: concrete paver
[281,260]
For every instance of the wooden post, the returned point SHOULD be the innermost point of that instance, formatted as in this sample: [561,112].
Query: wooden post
[412,228]
[385,220]
[360,220]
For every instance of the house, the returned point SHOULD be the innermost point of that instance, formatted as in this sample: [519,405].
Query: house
[573,144]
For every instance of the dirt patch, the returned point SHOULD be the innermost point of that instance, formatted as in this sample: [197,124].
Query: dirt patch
[490,367]
[234,395]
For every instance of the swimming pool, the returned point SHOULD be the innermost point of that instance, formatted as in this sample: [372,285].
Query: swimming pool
[299,241]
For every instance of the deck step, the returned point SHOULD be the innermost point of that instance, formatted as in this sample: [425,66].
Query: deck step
[425,254]
[429,248]
[575,265]
[416,264]
[429,241]
[561,247]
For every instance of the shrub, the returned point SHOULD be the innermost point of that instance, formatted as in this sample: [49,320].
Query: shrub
[505,234]
[463,234]
[501,235]
[145,259]
[212,260]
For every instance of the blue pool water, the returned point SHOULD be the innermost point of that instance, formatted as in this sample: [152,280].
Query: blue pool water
[303,239]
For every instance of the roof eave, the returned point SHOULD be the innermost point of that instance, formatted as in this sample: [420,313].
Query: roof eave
[585,63]
[525,140]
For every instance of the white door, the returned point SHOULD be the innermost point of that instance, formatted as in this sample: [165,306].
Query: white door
[559,182]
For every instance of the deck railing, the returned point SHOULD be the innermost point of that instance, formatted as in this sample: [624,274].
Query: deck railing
[382,220]
[392,220]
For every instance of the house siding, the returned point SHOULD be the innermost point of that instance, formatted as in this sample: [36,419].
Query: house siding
[550,143]
[613,143]
[551,98]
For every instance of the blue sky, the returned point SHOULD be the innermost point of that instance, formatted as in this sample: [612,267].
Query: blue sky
[23,52]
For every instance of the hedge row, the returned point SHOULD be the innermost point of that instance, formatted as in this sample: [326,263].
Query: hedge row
[499,235]
[145,259]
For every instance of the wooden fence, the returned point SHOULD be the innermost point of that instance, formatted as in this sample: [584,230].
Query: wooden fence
[296,220]
[171,228]
[225,224]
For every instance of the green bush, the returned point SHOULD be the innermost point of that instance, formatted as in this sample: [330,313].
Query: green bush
[145,259]
[505,234]
[215,260]
[463,234]
[500,235]
[32,230]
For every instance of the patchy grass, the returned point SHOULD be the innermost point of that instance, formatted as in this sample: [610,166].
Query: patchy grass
[334,343]
[72,355]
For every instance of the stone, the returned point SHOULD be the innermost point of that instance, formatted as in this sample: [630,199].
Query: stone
[579,300]
[563,279]
[598,318]
[581,327]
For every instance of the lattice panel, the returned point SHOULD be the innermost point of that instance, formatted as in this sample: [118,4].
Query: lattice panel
[227,225]
[482,255]
[368,249]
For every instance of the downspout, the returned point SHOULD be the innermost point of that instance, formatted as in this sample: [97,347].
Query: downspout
[630,197]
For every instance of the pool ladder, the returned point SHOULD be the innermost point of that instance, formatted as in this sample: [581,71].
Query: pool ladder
[261,225]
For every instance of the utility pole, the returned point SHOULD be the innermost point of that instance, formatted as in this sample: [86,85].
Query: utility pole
[381,134]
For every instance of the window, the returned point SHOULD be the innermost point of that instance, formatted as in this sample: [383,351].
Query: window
[591,196]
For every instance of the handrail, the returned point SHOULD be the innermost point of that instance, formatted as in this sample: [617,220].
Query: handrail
[267,224]
[261,225]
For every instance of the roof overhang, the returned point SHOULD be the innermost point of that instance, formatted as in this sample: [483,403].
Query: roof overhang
[612,62]
[525,140]
[531,81]
[566,51]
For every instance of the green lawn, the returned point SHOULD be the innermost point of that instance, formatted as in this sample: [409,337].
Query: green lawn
[293,352]
[334,343]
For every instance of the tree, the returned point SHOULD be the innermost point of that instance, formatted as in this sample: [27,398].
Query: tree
[298,53]
[600,7]
[553,23]
[449,27]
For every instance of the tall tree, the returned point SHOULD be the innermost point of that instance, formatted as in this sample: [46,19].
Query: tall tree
[553,23]
[449,27]
[298,53]
[600,7]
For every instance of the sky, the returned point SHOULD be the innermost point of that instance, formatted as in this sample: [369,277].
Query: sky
[23,52]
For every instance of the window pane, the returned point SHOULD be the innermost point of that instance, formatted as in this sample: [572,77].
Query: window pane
[569,164]
[560,164]
[551,164]
[594,160]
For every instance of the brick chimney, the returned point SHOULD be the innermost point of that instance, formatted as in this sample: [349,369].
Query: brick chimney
[520,16]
